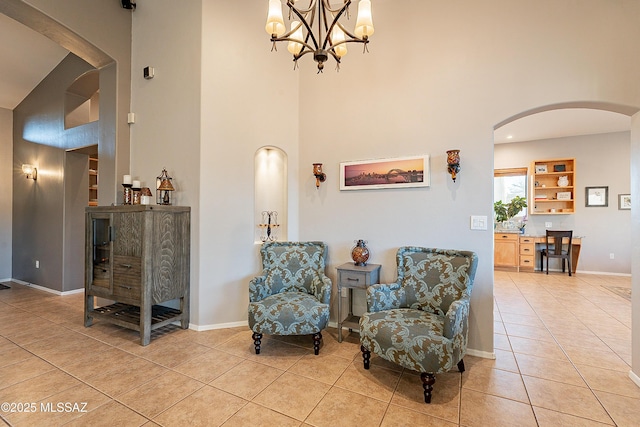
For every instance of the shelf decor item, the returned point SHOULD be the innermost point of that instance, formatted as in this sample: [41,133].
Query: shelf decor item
[164,188]
[360,253]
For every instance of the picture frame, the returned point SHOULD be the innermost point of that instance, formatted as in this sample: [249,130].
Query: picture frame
[541,168]
[559,168]
[400,172]
[596,196]
[563,195]
[624,202]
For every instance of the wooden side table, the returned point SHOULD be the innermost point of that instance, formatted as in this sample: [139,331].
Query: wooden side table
[351,276]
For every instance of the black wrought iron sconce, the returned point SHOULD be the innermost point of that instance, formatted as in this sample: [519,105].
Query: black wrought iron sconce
[317,172]
[453,163]
[30,171]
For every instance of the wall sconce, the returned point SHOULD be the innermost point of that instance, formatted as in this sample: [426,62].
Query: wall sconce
[453,163]
[30,171]
[317,172]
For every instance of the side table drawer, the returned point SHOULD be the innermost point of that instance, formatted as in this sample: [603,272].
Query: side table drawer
[353,279]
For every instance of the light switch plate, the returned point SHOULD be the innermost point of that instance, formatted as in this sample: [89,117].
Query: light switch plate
[479,222]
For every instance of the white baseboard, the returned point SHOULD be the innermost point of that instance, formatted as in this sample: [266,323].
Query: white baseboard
[43,288]
[483,354]
[634,378]
[200,328]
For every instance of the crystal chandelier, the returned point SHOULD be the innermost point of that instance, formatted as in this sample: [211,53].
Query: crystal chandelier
[330,36]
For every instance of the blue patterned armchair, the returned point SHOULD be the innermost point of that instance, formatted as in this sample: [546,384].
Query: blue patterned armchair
[421,321]
[292,295]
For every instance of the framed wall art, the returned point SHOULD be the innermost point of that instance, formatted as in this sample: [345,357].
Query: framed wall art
[624,201]
[401,172]
[596,196]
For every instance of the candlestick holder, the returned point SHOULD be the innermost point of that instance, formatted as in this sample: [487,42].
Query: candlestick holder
[127,193]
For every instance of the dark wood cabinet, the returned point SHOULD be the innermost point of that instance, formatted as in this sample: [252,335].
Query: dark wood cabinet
[138,257]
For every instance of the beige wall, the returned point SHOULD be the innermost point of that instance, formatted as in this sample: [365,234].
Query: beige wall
[6,191]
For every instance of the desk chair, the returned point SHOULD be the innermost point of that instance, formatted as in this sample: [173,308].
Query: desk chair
[556,249]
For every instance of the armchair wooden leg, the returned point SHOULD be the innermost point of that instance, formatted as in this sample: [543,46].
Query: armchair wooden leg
[366,356]
[428,379]
[461,365]
[316,342]
[257,340]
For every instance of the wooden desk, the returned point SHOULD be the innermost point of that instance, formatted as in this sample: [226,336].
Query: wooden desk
[576,243]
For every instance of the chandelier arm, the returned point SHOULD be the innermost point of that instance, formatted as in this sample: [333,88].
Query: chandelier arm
[289,39]
[342,8]
[327,39]
[303,21]
[353,36]
[312,5]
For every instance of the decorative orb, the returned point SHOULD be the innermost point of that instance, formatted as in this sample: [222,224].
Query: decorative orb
[360,253]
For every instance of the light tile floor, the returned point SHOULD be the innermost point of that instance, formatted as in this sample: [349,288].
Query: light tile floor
[563,354]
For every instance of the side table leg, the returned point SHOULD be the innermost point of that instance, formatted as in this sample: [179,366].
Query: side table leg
[339,313]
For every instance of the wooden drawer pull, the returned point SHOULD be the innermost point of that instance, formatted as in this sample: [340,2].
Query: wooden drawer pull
[352,280]
[126,287]
[126,265]
[526,249]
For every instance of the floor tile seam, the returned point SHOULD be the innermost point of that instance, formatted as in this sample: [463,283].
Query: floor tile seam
[150,418]
[332,384]
[585,385]
[593,332]
[395,388]
[613,423]
[246,402]
[588,387]
[528,402]
[282,413]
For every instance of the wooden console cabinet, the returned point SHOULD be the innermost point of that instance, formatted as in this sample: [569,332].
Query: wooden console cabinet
[137,256]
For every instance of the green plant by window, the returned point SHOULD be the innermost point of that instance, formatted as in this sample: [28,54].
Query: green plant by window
[506,211]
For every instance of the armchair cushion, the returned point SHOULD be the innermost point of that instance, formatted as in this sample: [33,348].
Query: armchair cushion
[410,338]
[288,313]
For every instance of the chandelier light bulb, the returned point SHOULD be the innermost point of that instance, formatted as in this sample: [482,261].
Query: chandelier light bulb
[337,36]
[294,48]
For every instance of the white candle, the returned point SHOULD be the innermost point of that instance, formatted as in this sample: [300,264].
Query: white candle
[136,184]
[126,179]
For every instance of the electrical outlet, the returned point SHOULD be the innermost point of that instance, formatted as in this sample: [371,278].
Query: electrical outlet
[37,264]
[547,225]
[611,255]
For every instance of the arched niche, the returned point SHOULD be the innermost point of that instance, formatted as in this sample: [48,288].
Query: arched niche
[82,100]
[270,169]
